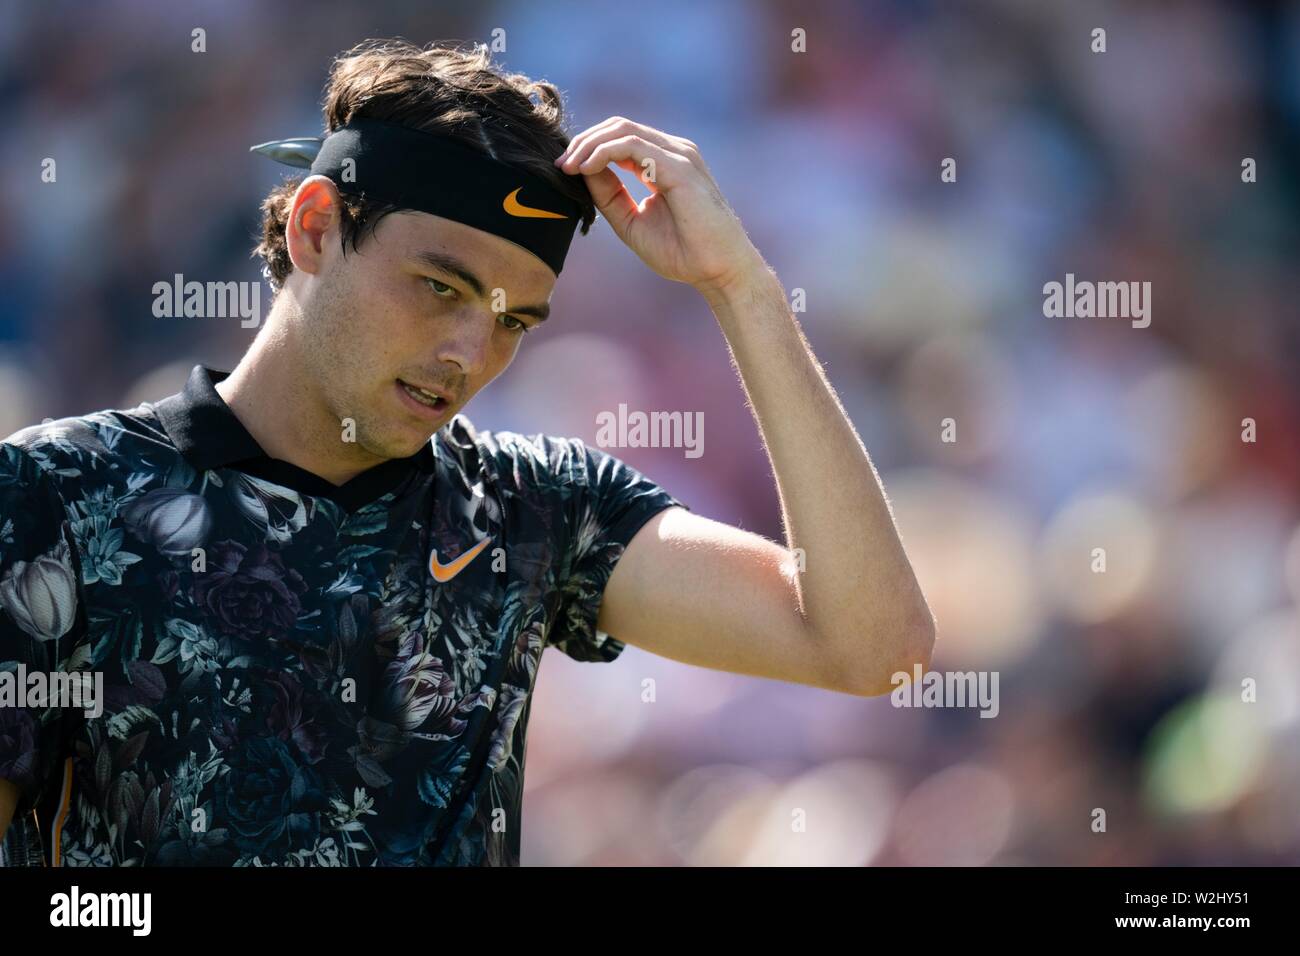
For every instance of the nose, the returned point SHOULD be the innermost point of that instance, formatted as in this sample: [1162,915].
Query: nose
[467,341]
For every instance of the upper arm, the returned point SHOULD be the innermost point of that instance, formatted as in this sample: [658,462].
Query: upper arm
[706,593]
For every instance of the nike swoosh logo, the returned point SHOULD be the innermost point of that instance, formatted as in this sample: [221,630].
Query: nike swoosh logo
[512,205]
[442,573]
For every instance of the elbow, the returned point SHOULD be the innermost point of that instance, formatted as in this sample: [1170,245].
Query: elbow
[902,649]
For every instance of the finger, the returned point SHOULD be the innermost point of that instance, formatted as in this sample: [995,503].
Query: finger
[580,140]
[615,127]
[582,145]
[671,143]
[613,200]
[666,169]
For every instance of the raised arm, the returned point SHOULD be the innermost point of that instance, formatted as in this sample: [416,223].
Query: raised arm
[703,592]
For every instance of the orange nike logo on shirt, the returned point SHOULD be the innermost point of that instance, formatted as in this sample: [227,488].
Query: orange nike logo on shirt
[442,573]
[512,205]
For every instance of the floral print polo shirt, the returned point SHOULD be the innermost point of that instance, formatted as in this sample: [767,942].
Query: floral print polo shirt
[293,673]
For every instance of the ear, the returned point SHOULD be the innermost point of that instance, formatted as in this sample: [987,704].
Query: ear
[314,215]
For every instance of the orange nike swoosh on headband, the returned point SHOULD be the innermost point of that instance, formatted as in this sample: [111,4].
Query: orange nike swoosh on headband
[442,573]
[512,205]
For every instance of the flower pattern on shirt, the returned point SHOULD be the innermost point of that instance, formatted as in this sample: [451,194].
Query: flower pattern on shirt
[285,683]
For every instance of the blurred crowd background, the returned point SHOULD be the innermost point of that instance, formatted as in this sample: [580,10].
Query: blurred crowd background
[1119,690]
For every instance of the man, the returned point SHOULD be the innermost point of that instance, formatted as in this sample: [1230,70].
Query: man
[318,597]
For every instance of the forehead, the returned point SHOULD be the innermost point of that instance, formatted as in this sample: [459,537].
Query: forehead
[496,262]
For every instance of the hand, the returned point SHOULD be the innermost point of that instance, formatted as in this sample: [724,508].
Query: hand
[684,230]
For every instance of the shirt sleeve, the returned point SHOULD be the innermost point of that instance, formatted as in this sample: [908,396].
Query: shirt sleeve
[609,502]
[39,607]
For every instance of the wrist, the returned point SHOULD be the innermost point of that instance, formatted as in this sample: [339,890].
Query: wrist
[741,287]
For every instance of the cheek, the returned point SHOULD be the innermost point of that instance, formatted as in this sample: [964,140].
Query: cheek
[388,319]
[504,349]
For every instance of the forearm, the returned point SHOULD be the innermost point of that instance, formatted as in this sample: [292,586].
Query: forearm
[858,592]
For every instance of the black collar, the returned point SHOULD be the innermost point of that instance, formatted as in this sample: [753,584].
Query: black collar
[208,435]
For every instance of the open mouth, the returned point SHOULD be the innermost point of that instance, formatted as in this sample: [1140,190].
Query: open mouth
[423,397]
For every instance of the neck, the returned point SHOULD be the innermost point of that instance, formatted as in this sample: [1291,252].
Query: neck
[274,396]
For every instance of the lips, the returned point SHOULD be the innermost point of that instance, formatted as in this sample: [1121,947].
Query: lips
[430,398]
[435,392]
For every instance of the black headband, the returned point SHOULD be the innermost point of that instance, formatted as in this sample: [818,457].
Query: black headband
[440,175]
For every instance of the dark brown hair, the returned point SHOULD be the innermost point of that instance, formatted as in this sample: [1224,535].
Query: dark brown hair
[441,89]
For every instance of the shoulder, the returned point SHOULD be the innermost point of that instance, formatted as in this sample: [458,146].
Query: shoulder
[553,472]
[69,449]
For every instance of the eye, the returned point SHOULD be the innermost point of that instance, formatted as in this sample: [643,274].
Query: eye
[517,327]
[440,288]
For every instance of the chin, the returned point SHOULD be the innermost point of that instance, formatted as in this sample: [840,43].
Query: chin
[392,440]
[406,446]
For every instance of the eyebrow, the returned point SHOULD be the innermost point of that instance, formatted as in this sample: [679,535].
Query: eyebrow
[453,266]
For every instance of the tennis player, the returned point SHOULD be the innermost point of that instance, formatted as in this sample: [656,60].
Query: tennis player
[317,597]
